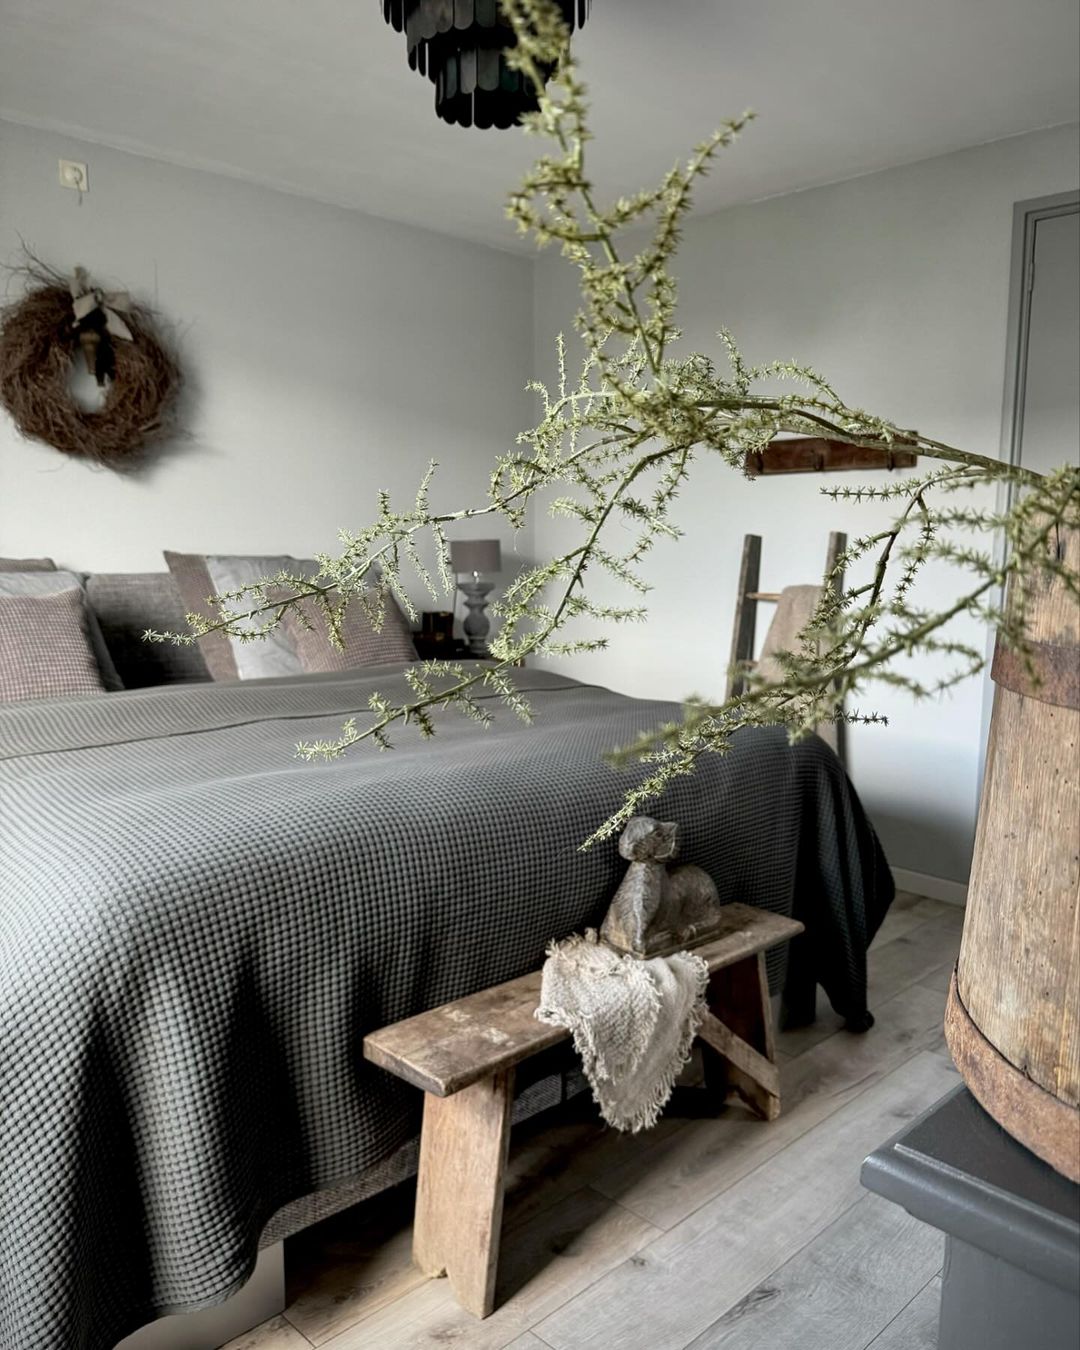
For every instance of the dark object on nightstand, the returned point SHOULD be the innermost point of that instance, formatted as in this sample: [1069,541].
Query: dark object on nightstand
[435,640]
[1011,1225]
[439,648]
[437,624]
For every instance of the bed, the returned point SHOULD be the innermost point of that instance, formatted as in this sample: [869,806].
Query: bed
[197,930]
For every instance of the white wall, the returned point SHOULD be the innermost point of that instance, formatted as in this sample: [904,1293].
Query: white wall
[895,286]
[328,354]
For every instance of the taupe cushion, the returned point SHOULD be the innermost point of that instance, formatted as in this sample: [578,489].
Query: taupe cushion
[126,604]
[27,565]
[45,649]
[42,581]
[363,646]
[192,579]
[200,575]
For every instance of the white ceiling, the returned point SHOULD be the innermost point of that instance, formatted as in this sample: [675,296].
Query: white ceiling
[314,96]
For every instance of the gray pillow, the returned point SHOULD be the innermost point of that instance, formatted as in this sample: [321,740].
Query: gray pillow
[43,582]
[126,604]
[198,576]
[27,565]
[44,648]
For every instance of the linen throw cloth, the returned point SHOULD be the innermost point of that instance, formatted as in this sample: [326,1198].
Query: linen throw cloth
[794,610]
[633,1022]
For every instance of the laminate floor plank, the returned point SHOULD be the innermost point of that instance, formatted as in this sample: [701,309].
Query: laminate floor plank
[791,1043]
[916,1326]
[912,957]
[352,1264]
[550,1160]
[678,1285]
[564,1250]
[587,1208]
[899,921]
[277,1334]
[840,1290]
[938,980]
[898,958]
[952,915]
[707,1157]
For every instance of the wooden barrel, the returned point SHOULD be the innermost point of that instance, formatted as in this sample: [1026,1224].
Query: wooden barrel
[1013,1016]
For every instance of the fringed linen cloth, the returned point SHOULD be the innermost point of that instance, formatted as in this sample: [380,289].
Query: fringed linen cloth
[633,1022]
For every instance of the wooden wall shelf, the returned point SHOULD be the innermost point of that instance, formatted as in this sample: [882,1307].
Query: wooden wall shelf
[812,454]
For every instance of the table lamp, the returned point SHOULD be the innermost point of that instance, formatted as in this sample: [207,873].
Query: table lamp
[472,557]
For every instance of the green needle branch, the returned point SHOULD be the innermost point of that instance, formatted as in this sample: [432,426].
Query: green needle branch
[637,419]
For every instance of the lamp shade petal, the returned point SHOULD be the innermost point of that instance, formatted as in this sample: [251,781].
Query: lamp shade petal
[461,46]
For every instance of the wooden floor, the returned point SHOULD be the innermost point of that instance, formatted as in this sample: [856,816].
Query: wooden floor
[721,1231]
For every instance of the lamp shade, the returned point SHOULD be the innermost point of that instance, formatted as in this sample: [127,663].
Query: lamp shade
[475,555]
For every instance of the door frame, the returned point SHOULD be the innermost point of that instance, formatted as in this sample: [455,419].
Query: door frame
[1026,216]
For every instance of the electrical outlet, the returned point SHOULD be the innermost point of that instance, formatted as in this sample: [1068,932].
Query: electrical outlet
[74,175]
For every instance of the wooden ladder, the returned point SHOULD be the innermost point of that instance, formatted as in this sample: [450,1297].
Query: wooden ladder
[749,596]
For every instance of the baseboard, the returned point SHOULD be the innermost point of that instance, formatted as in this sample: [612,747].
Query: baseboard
[937,888]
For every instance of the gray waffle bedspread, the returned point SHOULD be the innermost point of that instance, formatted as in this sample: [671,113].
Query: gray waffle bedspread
[197,930]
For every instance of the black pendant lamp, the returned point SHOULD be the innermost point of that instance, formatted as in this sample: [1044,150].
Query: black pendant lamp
[460,46]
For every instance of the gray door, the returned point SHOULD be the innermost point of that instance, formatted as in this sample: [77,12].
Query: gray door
[1049,432]
[1041,425]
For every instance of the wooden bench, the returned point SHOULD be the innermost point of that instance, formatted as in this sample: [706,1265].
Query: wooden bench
[463,1056]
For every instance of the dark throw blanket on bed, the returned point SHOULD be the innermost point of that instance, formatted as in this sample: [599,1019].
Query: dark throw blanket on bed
[197,930]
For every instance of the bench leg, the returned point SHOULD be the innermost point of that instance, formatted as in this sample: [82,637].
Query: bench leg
[738,1032]
[459,1196]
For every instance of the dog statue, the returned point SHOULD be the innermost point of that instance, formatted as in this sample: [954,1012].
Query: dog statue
[658,909]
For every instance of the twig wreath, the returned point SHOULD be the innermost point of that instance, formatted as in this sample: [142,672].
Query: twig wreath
[42,334]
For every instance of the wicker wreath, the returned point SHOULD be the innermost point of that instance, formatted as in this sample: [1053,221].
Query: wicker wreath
[44,332]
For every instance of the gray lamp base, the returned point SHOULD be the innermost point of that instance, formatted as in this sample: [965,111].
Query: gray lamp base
[477,625]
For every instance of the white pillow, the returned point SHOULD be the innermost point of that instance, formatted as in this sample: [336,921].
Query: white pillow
[272,655]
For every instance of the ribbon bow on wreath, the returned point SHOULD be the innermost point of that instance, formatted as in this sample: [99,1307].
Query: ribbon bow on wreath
[98,320]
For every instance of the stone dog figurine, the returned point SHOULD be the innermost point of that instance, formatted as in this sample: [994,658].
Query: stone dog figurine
[658,909]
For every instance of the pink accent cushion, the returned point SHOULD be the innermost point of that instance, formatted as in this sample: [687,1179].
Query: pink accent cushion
[44,648]
[363,646]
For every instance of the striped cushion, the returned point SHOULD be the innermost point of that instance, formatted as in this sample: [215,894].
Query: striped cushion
[44,648]
[363,646]
[46,581]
